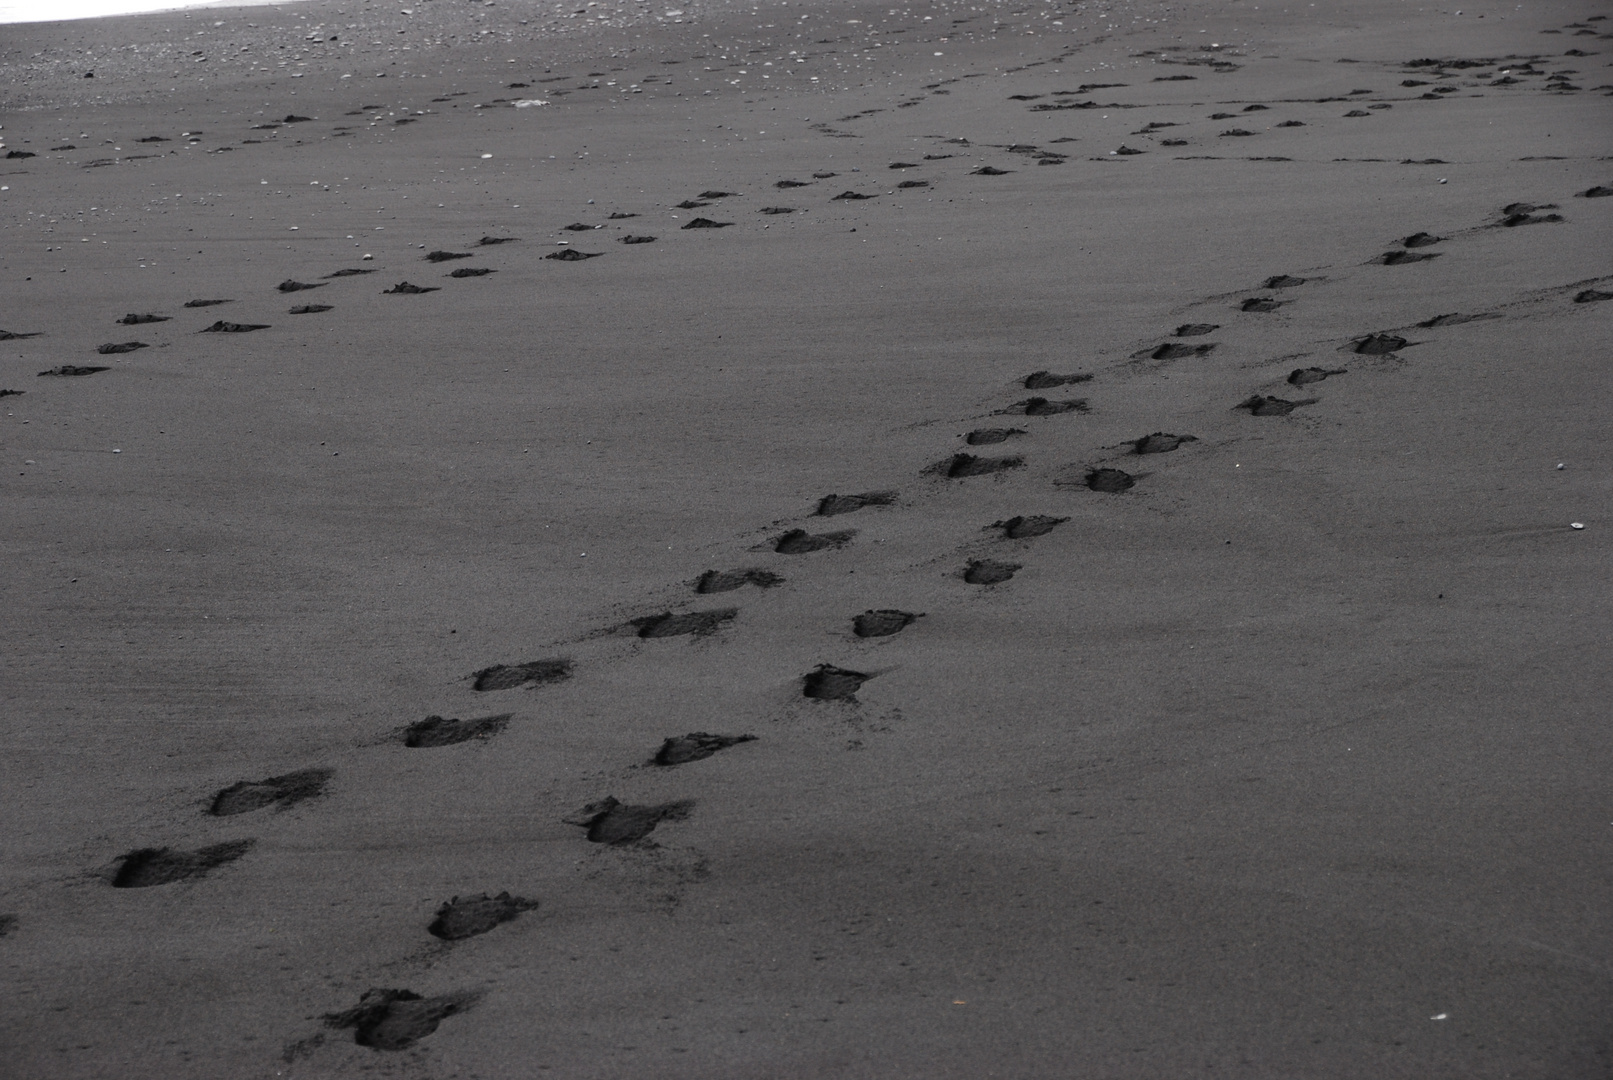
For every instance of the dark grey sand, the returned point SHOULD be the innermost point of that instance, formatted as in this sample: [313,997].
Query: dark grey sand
[1288,760]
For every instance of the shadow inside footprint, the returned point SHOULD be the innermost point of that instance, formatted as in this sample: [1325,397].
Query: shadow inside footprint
[1112,481]
[695,746]
[290,285]
[963,465]
[689,622]
[1261,405]
[830,505]
[285,790]
[719,581]
[310,309]
[436,731]
[206,303]
[1591,296]
[1421,239]
[1024,528]
[471,271]
[489,241]
[1260,303]
[631,239]
[611,822]
[1160,442]
[1196,329]
[1044,380]
[1455,319]
[397,1019]
[1303,376]
[882,622]
[133,319]
[799,541]
[830,683]
[222,327]
[1396,258]
[509,676]
[112,348]
[1282,281]
[572,255]
[464,917]
[403,288]
[989,436]
[1176,351]
[1377,344]
[1600,191]
[350,273]
[71,370]
[776,210]
[707,223]
[1041,406]
[989,571]
[146,867]
[444,256]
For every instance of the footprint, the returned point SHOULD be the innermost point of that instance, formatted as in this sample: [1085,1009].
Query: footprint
[690,204]
[1303,376]
[882,622]
[719,581]
[667,624]
[1024,528]
[1126,151]
[471,271]
[1282,281]
[1292,123]
[1111,481]
[786,184]
[1591,296]
[1176,351]
[1512,221]
[800,542]
[397,1019]
[287,790]
[310,309]
[989,436]
[824,175]
[289,285]
[444,256]
[853,195]
[912,184]
[1196,329]
[1041,406]
[120,347]
[1261,303]
[1377,344]
[706,223]
[830,505]
[1042,380]
[1598,192]
[436,731]
[7,335]
[776,210]
[403,288]
[717,194]
[1260,405]
[461,918]
[145,867]
[13,393]
[1454,319]
[350,273]
[206,303]
[577,226]
[1235,132]
[617,216]
[136,320]
[8,923]
[1160,443]
[903,165]
[1397,258]
[573,255]
[509,676]
[696,746]
[987,170]
[830,683]
[489,241]
[989,571]
[963,465]
[1421,239]
[611,822]
[631,239]
[69,370]
[222,327]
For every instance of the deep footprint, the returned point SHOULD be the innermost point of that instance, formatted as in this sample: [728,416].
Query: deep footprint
[1261,405]
[630,239]
[471,271]
[964,465]
[135,320]
[71,370]
[146,867]
[206,303]
[830,683]
[509,676]
[1160,442]
[310,309]
[990,436]
[1421,239]
[1041,406]
[1111,481]
[1591,296]
[1261,303]
[1282,281]
[800,542]
[120,347]
[444,256]
[1305,376]
[396,1019]
[1377,344]
[830,505]
[286,790]
[690,622]
[1044,380]
[611,822]
[403,288]
[1196,329]
[707,223]
[720,581]
[1024,528]
[222,327]
[464,917]
[436,731]
[882,622]
[696,746]
[298,286]
[989,571]
[1176,351]
[1396,258]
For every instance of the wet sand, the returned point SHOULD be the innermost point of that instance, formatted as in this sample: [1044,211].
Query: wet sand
[1211,682]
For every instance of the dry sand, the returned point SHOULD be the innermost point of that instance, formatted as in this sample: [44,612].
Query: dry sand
[1289,759]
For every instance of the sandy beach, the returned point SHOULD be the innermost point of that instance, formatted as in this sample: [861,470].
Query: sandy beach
[795,540]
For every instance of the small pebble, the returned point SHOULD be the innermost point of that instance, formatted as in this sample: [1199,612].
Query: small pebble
[1576,524]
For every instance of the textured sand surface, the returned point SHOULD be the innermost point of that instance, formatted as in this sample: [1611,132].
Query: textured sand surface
[1279,750]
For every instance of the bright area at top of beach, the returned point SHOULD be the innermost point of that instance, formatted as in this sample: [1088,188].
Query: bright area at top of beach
[24,11]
